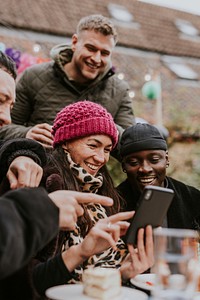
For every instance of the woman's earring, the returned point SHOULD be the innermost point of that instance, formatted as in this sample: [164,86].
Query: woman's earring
[124,171]
[167,165]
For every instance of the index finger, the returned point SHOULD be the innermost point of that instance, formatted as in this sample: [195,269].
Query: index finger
[149,240]
[93,198]
[44,126]
[121,216]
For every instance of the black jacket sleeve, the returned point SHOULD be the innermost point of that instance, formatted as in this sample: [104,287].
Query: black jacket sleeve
[28,221]
[50,273]
[11,149]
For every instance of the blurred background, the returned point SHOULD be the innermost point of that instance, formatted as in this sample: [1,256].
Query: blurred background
[158,53]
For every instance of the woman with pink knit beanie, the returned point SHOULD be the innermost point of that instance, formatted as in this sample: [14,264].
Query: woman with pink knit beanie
[84,134]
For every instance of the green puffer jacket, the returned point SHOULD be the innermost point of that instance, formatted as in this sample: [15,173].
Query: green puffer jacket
[44,89]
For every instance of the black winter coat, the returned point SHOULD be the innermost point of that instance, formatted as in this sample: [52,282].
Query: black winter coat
[28,221]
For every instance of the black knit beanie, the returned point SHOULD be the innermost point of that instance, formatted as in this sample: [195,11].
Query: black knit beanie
[141,137]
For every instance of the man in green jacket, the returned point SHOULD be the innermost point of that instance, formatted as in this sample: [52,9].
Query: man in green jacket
[80,71]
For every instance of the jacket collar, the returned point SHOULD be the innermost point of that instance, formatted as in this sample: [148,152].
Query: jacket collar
[62,54]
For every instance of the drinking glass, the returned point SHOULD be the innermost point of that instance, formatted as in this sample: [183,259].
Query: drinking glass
[175,264]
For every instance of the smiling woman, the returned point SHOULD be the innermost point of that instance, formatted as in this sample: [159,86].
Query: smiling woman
[91,153]
[84,133]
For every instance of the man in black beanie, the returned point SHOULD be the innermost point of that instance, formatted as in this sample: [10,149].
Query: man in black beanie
[144,157]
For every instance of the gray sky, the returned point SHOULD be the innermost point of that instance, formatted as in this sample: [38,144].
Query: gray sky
[190,6]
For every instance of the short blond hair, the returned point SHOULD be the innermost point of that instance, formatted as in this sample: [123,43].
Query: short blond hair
[98,23]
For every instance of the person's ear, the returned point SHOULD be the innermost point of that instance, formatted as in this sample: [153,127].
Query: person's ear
[74,42]
[64,146]
[123,168]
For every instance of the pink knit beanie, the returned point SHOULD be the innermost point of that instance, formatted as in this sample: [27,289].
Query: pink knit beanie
[81,119]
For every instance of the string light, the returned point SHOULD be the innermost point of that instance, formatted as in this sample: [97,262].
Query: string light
[147,77]
[36,48]
[131,94]
[121,76]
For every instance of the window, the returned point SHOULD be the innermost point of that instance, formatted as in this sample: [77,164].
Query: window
[179,68]
[121,16]
[183,71]
[186,27]
[120,13]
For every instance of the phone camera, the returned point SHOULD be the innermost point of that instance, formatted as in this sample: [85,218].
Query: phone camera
[147,195]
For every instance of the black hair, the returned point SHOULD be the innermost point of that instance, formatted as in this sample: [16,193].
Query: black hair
[58,164]
[8,65]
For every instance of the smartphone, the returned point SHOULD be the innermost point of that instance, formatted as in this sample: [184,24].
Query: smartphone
[153,205]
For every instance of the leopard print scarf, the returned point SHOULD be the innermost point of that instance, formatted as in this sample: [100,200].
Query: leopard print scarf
[87,182]
[108,258]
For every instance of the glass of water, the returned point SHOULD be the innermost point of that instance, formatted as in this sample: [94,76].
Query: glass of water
[175,264]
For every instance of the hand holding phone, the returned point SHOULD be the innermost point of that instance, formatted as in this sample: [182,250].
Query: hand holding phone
[153,205]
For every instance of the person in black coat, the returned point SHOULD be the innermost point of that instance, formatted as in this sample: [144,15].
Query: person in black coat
[24,158]
[144,155]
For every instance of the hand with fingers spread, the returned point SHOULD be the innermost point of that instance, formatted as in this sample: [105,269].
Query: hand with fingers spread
[24,172]
[69,202]
[103,235]
[140,259]
[42,134]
